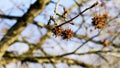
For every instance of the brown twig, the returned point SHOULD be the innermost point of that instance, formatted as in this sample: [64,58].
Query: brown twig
[78,14]
[9,17]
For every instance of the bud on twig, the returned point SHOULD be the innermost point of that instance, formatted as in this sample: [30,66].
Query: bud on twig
[94,4]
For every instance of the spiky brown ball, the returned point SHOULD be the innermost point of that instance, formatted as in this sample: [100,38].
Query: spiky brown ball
[57,31]
[67,34]
[99,21]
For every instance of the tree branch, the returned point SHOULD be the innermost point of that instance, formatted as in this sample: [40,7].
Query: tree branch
[11,55]
[78,14]
[16,29]
[9,17]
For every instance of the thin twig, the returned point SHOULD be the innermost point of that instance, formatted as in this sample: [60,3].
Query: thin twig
[9,17]
[78,14]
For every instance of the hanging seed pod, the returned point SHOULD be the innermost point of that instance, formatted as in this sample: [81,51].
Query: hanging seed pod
[57,31]
[67,34]
[99,21]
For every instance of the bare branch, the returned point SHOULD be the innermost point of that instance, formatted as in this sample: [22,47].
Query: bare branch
[26,19]
[9,17]
[78,14]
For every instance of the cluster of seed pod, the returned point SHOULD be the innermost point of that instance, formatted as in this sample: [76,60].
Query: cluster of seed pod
[64,33]
[100,20]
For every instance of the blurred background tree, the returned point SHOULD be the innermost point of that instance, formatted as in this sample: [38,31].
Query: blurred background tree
[59,34]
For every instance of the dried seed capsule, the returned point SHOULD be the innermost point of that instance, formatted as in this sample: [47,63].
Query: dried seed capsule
[67,34]
[99,21]
[57,31]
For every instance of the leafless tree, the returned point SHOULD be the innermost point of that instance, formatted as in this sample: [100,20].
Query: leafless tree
[85,34]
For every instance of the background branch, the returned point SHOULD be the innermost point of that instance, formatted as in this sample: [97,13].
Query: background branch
[16,29]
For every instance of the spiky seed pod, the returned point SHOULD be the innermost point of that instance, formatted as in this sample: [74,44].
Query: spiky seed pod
[57,31]
[99,21]
[67,34]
